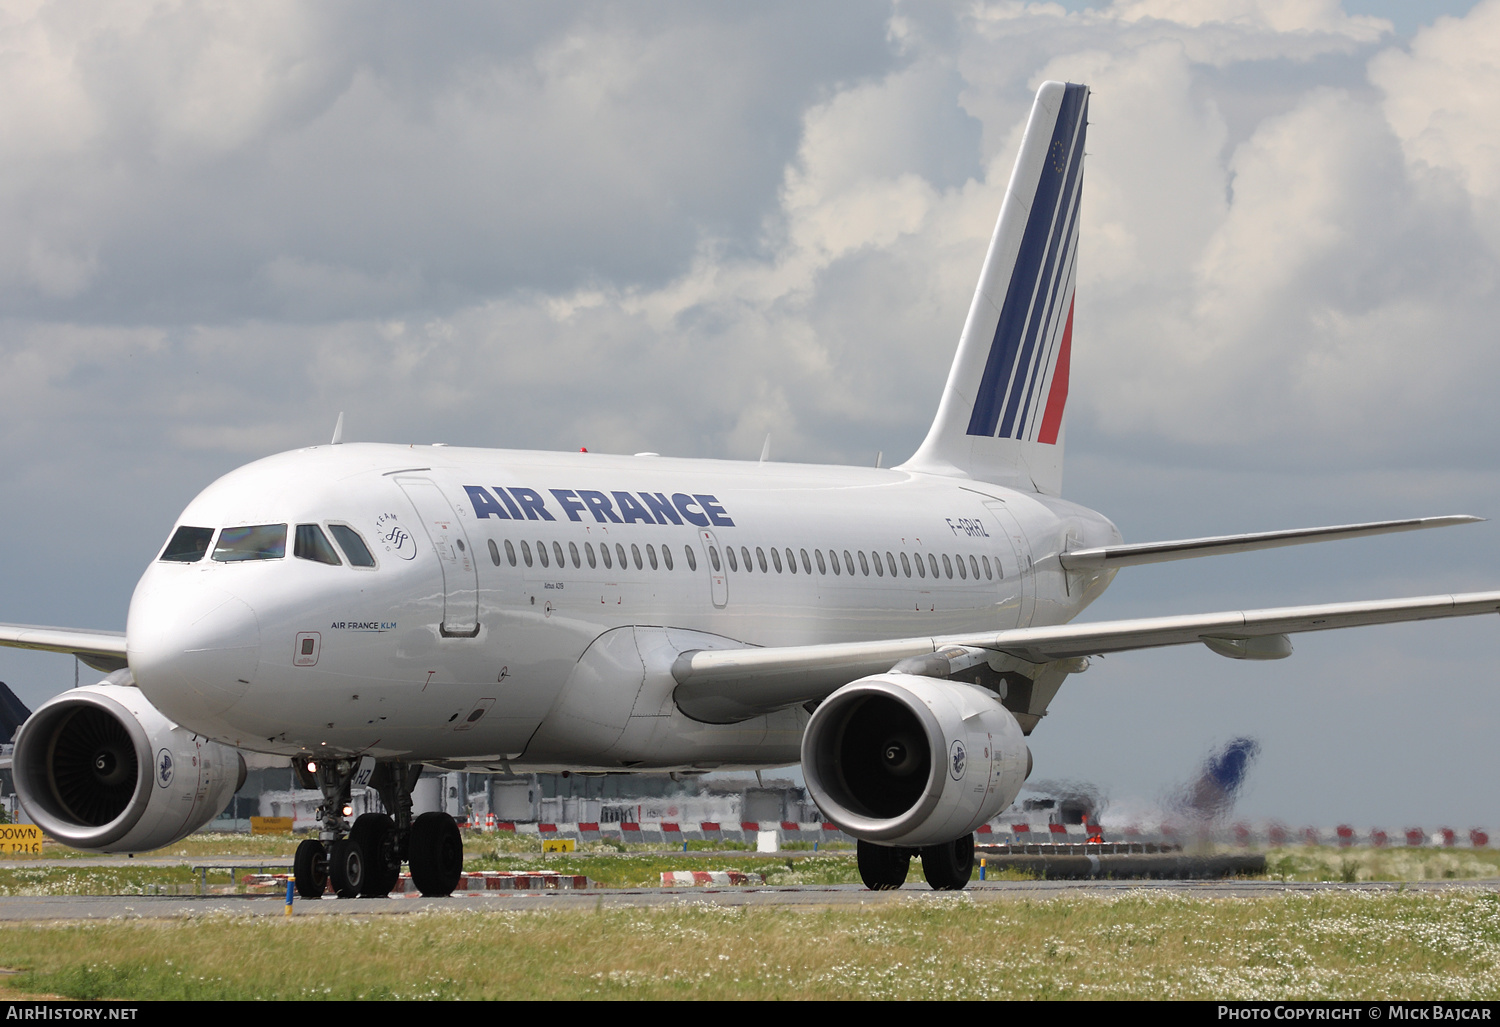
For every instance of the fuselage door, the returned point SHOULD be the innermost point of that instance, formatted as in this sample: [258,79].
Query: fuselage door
[713,559]
[455,556]
[1017,570]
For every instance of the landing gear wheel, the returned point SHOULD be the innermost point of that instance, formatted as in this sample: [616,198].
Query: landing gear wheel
[375,834]
[437,854]
[882,867]
[310,869]
[348,868]
[948,867]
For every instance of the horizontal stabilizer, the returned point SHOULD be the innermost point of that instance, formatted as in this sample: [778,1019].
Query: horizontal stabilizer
[729,685]
[1187,549]
[102,650]
[1040,645]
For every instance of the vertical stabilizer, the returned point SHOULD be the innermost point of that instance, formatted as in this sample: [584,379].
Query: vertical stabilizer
[1001,415]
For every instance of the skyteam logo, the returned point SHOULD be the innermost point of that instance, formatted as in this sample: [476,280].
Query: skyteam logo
[396,539]
[1025,384]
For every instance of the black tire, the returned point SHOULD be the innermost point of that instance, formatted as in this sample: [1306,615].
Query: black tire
[310,869]
[375,834]
[348,868]
[948,867]
[882,867]
[437,854]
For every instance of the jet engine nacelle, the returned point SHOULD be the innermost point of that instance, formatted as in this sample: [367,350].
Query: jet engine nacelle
[100,768]
[906,760]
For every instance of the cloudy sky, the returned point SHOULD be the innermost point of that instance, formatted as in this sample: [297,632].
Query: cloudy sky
[678,227]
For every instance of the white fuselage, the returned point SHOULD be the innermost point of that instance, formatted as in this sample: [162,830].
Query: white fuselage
[462,643]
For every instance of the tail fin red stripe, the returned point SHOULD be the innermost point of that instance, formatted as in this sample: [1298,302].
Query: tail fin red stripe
[1057,396]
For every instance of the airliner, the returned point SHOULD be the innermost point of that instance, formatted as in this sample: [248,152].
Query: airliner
[368,610]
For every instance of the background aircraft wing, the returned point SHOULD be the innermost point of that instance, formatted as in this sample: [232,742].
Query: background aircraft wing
[1185,549]
[730,685]
[102,650]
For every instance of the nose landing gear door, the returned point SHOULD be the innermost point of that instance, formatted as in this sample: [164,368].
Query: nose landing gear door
[455,556]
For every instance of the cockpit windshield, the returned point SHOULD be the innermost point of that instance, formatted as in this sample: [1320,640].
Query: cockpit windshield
[354,546]
[312,544]
[255,542]
[188,544]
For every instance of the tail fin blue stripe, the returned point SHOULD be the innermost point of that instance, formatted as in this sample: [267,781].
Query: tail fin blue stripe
[1046,332]
[1033,274]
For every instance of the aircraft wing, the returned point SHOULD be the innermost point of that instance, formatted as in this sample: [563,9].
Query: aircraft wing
[729,685]
[1130,555]
[102,650]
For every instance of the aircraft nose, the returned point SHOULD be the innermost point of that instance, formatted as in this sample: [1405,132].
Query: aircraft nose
[193,648]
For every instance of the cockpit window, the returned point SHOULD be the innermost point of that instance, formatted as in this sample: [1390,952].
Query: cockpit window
[188,545]
[256,542]
[312,544]
[354,547]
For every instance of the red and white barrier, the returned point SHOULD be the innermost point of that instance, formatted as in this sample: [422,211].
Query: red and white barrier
[1278,835]
[1269,834]
[477,881]
[510,880]
[671,834]
[692,878]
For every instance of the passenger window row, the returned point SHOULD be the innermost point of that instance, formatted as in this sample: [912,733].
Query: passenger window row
[870,562]
[966,566]
[604,555]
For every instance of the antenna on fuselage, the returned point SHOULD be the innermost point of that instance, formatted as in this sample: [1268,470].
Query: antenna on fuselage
[338,430]
[879,458]
[765,449]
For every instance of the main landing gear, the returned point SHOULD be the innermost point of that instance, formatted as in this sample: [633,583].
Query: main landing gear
[947,867]
[365,860]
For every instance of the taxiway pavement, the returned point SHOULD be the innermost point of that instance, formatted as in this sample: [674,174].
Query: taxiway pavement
[53,908]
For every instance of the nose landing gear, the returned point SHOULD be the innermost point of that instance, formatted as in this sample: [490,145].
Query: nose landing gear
[365,860]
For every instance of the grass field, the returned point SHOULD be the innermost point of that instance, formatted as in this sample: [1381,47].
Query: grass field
[1136,945]
[1130,945]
